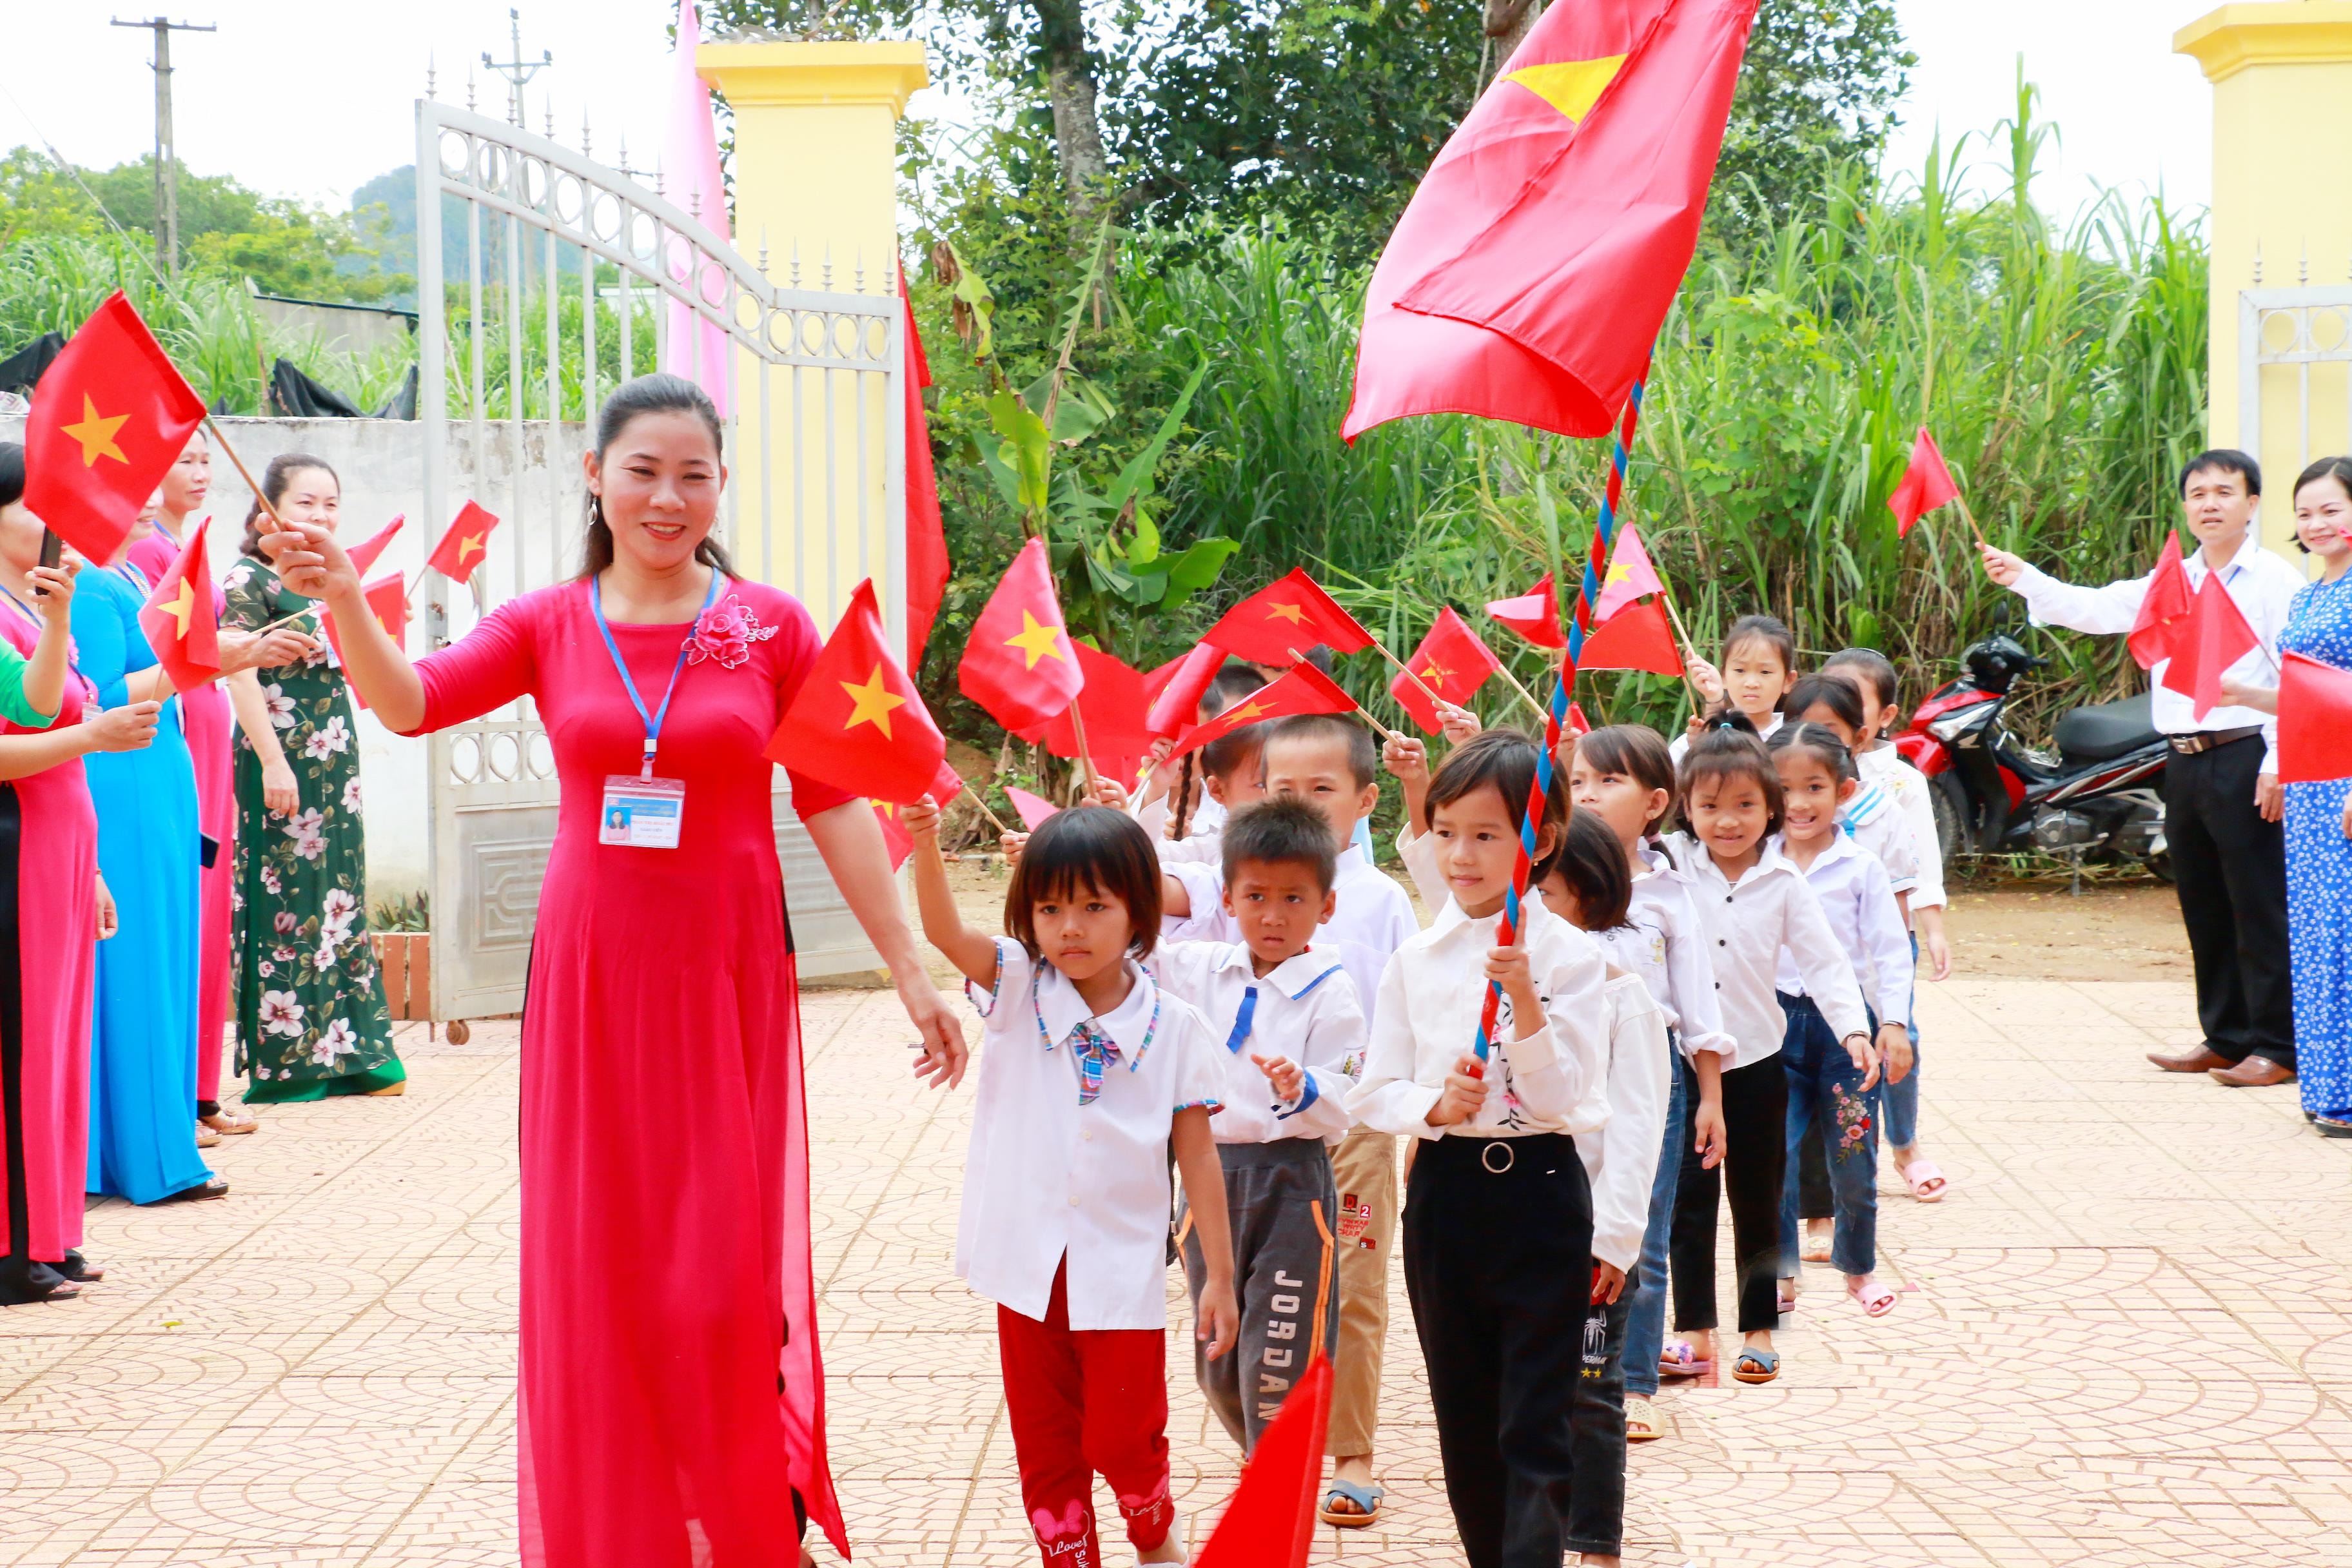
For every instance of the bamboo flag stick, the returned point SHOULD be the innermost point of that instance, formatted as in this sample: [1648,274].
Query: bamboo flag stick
[1970,518]
[1377,727]
[260,497]
[1525,695]
[993,821]
[1690,648]
[1406,670]
[1086,752]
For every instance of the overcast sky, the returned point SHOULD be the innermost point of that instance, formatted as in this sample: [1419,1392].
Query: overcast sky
[311,98]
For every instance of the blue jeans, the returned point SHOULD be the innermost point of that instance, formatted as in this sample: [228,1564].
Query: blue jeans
[1826,1085]
[1902,1099]
[1646,1324]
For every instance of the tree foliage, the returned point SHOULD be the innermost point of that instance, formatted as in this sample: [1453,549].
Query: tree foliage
[1819,86]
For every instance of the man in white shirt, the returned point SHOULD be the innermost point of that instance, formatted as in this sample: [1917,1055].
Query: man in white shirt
[2221,794]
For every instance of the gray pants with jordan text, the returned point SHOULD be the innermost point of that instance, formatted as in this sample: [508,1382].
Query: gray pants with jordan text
[1282,1207]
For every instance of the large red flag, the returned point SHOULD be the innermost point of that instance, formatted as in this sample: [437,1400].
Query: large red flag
[1925,485]
[1636,637]
[1291,612]
[2314,725]
[2216,638]
[1111,703]
[858,724]
[109,417]
[1176,688]
[927,540]
[1530,274]
[1534,615]
[2162,609]
[1451,661]
[178,618]
[465,545]
[1270,1524]
[363,554]
[1019,664]
[1305,689]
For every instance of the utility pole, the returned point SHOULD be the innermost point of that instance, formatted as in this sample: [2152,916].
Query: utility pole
[518,71]
[167,155]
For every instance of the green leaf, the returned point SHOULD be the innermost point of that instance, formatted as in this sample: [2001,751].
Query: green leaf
[1199,566]
[971,292]
[1083,410]
[1026,450]
[1136,479]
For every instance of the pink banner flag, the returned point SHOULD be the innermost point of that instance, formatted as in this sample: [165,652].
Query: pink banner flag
[692,347]
[1631,576]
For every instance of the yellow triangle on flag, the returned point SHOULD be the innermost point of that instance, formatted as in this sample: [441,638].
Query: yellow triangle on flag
[1573,86]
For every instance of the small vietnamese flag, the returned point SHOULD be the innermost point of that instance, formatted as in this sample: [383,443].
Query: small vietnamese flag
[1630,577]
[363,554]
[1925,485]
[178,618]
[1270,1522]
[1176,687]
[896,839]
[858,724]
[2162,609]
[1534,615]
[1018,663]
[1451,661]
[1305,689]
[465,546]
[2314,727]
[387,601]
[109,419]
[1291,612]
[2216,638]
[1636,637]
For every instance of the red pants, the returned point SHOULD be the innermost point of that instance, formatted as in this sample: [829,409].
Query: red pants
[1086,1402]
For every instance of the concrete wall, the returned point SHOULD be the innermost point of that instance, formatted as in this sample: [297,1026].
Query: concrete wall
[381,465]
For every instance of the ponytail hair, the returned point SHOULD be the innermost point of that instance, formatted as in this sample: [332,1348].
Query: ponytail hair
[275,481]
[657,394]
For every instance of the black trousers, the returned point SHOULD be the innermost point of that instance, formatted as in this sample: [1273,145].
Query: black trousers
[1499,1266]
[1755,1162]
[1814,1200]
[2230,867]
[1596,1519]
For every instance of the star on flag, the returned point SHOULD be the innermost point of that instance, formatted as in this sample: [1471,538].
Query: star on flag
[1021,690]
[1452,661]
[463,545]
[96,433]
[1291,612]
[1036,639]
[109,419]
[872,701]
[177,617]
[857,723]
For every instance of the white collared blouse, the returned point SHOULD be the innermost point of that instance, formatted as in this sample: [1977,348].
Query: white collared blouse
[1858,900]
[1748,923]
[1372,919]
[1305,1008]
[1622,1160]
[1908,787]
[1664,944]
[1431,999]
[1048,1178]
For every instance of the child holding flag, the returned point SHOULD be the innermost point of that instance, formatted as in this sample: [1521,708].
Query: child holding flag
[1090,1071]
[1759,664]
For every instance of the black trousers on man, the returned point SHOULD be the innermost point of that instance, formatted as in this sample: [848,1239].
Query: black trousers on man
[2230,867]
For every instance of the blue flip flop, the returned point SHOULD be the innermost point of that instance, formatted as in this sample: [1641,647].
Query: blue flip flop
[1757,1366]
[1365,1497]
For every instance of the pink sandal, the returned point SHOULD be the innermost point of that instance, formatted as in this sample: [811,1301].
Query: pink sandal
[1879,1301]
[1679,1359]
[1925,1181]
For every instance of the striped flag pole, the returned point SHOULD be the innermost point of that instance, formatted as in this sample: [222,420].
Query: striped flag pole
[1596,567]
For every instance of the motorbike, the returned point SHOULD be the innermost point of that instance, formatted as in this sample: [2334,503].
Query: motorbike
[2097,797]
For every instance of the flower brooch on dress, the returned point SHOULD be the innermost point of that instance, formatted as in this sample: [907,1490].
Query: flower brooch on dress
[726,632]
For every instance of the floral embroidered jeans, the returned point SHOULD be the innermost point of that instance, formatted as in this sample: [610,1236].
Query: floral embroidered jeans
[1825,1086]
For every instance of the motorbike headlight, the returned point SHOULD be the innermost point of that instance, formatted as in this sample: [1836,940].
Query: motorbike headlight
[1952,725]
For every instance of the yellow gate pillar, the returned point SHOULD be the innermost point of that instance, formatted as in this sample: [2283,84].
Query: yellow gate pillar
[816,180]
[2282,76]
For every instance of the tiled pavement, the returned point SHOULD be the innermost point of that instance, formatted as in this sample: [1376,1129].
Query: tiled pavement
[2127,1341]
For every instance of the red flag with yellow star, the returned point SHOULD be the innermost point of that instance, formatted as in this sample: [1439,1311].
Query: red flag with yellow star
[363,554]
[465,546]
[1292,612]
[858,724]
[178,618]
[110,416]
[1019,664]
[387,601]
[1533,268]
[1452,661]
[1306,689]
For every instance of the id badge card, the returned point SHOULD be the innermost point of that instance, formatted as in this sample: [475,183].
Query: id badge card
[641,812]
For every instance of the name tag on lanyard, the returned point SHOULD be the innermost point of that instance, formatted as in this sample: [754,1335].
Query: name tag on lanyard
[640,811]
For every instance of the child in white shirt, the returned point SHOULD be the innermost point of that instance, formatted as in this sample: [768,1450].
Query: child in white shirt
[1589,882]
[1759,664]
[1499,1217]
[1754,903]
[1088,1073]
[1622,776]
[1826,1087]
[1330,762]
[1883,764]
[1294,1043]
[1183,805]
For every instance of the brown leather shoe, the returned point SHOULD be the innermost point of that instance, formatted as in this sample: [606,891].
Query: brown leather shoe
[2204,1058]
[2254,1072]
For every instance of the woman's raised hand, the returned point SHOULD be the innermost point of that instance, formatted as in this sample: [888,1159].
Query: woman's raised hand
[129,728]
[309,559]
[53,589]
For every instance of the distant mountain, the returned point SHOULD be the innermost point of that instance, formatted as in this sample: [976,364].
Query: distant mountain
[395,190]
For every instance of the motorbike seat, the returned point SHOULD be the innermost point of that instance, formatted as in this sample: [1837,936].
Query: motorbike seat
[2106,730]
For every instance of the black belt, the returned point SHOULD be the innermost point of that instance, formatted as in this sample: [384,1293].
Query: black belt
[2189,745]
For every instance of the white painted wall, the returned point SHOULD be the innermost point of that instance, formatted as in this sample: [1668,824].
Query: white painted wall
[381,465]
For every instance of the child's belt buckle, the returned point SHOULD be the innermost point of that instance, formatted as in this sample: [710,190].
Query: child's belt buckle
[1486,1156]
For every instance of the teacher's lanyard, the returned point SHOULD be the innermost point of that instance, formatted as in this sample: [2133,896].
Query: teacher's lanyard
[88,687]
[653,721]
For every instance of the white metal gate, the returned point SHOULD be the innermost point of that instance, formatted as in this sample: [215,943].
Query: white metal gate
[2306,334]
[543,230]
